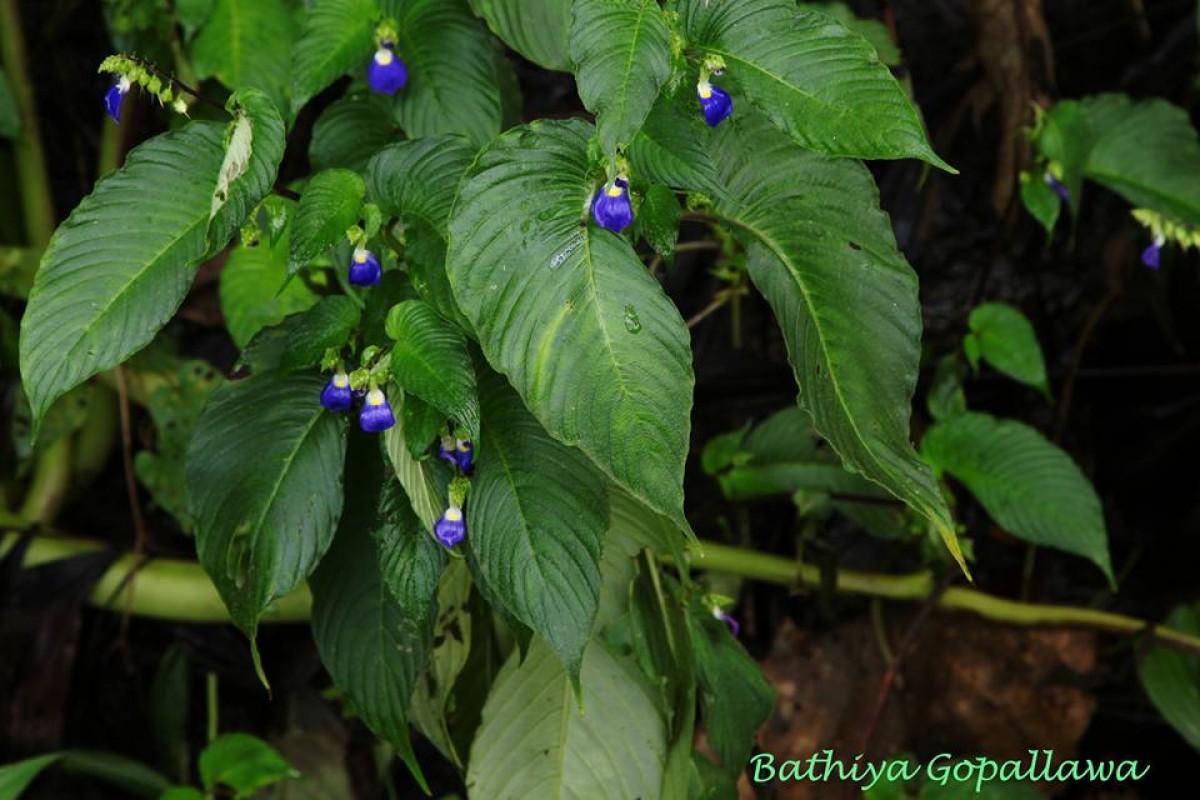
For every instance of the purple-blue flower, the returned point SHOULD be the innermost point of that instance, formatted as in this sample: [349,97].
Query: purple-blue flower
[376,415]
[728,619]
[113,97]
[1152,255]
[1058,187]
[387,73]
[451,528]
[336,394]
[364,268]
[611,207]
[715,101]
[458,453]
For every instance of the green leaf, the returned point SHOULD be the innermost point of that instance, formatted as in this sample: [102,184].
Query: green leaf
[10,120]
[566,310]
[248,44]
[537,29]
[243,763]
[535,519]
[452,85]
[16,777]
[534,742]
[256,290]
[658,221]
[301,340]
[427,495]
[1028,485]
[1007,341]
[622,53]
[352,130]
[430,360]
[1040,200]
[670,150]
[337,38]
[264,474]
[823,255]
[821,84]
[254,147]
[182,793]
[1172,678]
[117,269]
[873,30]
[373,605]
[330,205]
[735,697]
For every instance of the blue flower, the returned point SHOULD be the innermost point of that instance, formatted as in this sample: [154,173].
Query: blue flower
[364,268]
[1152,255]
[715,101]
[451,528]
[376,415]
[611,207]
[336,394]
[458,453]
[387,73]
[113,97]
[728,619]
[1058,187]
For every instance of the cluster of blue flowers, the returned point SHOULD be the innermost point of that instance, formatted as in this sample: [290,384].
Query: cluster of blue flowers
[458,453]
[612,208]
[376,414]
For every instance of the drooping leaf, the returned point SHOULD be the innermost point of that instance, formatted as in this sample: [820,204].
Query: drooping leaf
[1003,337]
[256,290]
[352,130]
[430,360]
[16,777]
[119,267]
[452,85]
[254,148]
[734,695]
[537,29]
[1172,678]
[419,478]
[422,425]
[821,84]
[1040,200]
[330,204]
[535,520]
[337,38]
[264,475]
[248,44]
[1029,486]
[535,743]
[373,603]
[588,339]
[622,55]
[300,340]
[243,763]
[658,221]
[824,256]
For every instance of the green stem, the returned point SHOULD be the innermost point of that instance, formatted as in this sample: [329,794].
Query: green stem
[51,480]
[170,589]
[95,440]
[211,689]
[33,181]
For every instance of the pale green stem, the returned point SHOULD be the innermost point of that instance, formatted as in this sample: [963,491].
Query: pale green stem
[50,483]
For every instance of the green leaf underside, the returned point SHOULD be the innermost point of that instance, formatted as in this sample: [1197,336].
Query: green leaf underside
[821,84]
[331,204]
[255,289]
[373,609]
[534,742]
[568,312]
[1028,485]
[256,140]
[452,84]
[622,53]
[427,498]
[248,44]
[1008,342]
[826,261]
[350,131]
[537,29]
[536,517]
[1172,678]
[118,268]
[264,476]
[336,39]
[430,360]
